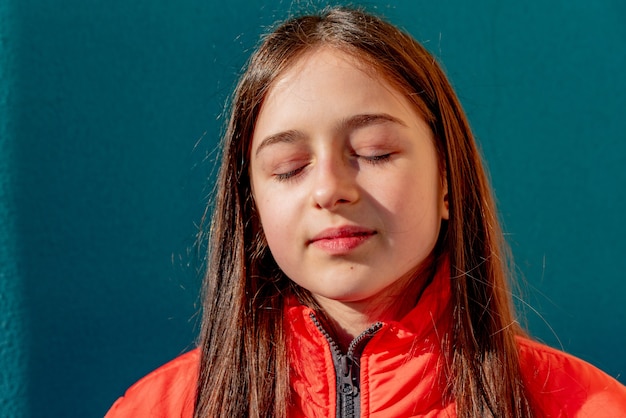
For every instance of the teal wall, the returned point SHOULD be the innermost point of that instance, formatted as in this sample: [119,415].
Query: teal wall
[108,124]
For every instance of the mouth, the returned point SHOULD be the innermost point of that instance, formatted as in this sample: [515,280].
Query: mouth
[341,240]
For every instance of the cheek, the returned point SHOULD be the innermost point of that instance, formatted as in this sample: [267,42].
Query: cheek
[280,241]
[412,204]
[276,221]
[273,228]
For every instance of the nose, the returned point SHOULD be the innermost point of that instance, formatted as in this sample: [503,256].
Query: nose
[334,183]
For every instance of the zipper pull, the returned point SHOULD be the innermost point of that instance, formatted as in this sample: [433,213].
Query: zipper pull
[347,382]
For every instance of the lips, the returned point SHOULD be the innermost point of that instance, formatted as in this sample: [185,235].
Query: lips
[341,240]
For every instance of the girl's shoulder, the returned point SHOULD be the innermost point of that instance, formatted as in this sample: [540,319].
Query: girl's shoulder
[564,385]
[168,391]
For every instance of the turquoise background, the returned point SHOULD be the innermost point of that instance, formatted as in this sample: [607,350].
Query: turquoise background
[109,117]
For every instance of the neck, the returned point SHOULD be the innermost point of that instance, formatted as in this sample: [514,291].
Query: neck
[350,318]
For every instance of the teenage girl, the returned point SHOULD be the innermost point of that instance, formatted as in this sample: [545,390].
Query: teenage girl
[356,265]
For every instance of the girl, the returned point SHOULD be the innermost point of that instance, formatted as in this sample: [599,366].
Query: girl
[356,266]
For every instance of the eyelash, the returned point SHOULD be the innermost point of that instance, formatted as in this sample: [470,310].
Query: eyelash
[290,174]
[373,160]
[376,159]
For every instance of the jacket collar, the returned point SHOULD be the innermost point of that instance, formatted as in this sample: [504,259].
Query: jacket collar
[413,343]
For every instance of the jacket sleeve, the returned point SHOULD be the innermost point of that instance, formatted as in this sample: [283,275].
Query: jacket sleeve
[169,391]
[562,385]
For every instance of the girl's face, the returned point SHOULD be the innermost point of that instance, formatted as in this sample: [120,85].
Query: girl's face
[345,179]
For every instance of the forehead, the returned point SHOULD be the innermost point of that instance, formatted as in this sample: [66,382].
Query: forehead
[320,58]
[334,77]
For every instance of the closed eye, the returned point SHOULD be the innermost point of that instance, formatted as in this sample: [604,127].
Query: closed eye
[289,175]
[375,159]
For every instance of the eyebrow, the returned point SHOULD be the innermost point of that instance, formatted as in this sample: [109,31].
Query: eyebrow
[361,121]
[349,124]
[285,137]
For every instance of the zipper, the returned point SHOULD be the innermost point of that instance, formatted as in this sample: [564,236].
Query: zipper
[347,368]
[348,388]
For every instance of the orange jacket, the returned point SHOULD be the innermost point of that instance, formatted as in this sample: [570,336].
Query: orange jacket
[400,373]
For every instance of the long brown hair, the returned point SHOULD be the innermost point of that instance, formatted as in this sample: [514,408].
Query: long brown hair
[244,369]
